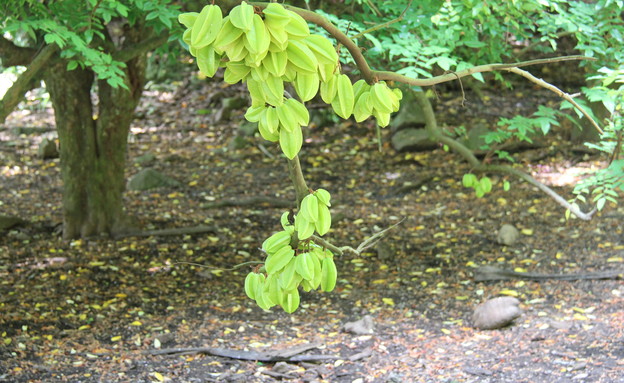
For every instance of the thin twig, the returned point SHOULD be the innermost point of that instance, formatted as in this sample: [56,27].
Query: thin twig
[384,25]
[238,266]
[556,90]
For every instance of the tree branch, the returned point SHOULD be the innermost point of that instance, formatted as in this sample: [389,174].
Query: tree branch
[16,92]
[432,128]
[372,76]
[140,48]
[296,176]
[558,91]
[12,55]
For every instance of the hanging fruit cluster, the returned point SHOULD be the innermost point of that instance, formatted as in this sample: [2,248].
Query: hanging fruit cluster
[285,268]
[267,48]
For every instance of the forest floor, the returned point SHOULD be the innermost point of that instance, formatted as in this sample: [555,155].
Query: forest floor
[101,310]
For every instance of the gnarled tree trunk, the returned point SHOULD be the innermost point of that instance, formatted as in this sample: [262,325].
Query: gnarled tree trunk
[93,143]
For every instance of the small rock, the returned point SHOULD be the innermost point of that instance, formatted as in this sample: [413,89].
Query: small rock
[149,178]
[384,251]
[237,143]
[145,158]
[47,149]
[166,338]
[284,368]
[412,140]
[507,235]
[496,313]
[474,139]
[410,114]
[364,326]
[247,129]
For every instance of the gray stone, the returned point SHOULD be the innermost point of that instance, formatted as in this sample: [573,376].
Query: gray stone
[237,143]
[410,115]
[47,149]
[247,129]
[145,158]
[234,103]
[507,235]
[496,313]
[227,106]
[364,326]
[149,178]
[474,139]
[412,140]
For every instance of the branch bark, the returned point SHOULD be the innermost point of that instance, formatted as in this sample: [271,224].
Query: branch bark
[373,76]
[23,84]
[432,128]
[140,48]
[296,176]
[13,55]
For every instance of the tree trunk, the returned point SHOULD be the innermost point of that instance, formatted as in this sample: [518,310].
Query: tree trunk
[93,145]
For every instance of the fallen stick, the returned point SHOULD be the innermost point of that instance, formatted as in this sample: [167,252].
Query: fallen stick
[491,273]
[286,355]
[164,232]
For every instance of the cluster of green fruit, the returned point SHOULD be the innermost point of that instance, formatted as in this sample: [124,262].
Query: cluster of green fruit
[481,186]
[310,265]
[267,48]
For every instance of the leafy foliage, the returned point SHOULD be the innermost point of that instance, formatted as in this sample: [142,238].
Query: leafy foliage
[83,29]
[451,36]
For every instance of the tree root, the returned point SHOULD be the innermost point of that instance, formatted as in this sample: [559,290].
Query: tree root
[491,273]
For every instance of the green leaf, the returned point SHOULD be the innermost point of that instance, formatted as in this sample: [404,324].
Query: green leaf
[469,180]
[291,142]
[486,184]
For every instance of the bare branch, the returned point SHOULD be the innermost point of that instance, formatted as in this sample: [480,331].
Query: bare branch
[558,91]
[432,128]
[372,76]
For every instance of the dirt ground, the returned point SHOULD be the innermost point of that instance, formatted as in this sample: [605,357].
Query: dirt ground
[126,310]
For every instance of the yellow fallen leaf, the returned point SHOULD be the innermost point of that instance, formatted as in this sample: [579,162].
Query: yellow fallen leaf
[511,293]
[116,338]
[615,259]
[578,316]
[446,331]
[527,231]
[388,301]
[136,323]
[159,377]
[379,281]
[461,298]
